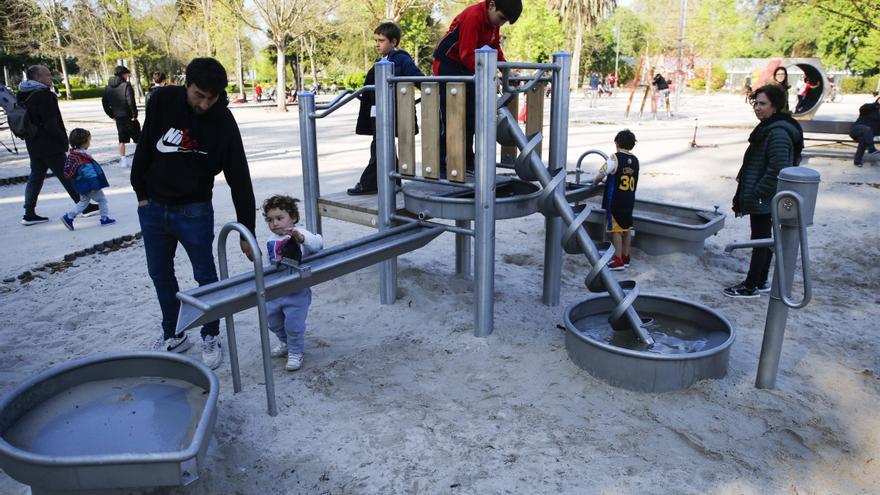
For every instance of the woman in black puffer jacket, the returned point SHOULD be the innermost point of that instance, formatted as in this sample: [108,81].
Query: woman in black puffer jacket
[774,144]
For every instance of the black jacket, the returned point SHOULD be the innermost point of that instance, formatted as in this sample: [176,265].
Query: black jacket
[403,66]
[118,100]
[869,115]
[51,138]
[774,144]
[180,152]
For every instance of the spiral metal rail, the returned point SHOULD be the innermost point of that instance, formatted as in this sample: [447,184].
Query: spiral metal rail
[552,201]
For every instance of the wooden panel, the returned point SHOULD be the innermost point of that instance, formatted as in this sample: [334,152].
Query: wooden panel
[362,210]
[406,129]
[509,153]
[535,112]
[456,127]
[430,130]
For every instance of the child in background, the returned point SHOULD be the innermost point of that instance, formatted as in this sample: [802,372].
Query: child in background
[622,172]
[87,178]
[286,315]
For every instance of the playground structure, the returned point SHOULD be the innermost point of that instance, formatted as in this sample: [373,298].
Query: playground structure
[473,202]
[813,70]
[94,425]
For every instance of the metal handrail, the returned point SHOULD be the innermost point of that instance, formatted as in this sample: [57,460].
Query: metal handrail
[578,171]
[533,81]
[261,311]
[424,79]
[785,292]
[527,65]
[324,106]
[338,103]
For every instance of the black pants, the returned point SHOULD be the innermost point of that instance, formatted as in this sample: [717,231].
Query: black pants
[865,136]
[368,176]
[39,167]
[759,267]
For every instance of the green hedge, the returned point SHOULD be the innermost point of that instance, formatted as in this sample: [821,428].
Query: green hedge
[859,85]
[354,80]
[79,94]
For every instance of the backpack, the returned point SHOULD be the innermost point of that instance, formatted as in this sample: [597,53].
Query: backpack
[17,115]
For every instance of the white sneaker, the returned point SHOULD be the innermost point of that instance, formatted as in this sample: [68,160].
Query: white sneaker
[294,362]
[279,350]
[175,344]
[212,354]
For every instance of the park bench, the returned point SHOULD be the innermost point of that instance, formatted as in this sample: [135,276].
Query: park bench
[827,133]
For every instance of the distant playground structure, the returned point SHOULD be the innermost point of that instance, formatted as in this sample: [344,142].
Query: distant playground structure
[813,70]
[639,341]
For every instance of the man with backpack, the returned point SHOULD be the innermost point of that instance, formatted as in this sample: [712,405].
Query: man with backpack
[46,140]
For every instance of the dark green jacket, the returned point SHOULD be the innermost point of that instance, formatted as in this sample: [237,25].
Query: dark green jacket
[774,144]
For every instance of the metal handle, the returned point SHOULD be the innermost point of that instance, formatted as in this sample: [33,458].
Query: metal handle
[533,81]
[261,311]
[339,102]
[334,101]
[578,170]
[784,292]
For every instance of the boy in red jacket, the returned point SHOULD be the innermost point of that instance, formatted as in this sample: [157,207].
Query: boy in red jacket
[474,27]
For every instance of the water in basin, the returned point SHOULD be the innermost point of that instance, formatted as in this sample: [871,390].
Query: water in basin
[120,416]
[671,335]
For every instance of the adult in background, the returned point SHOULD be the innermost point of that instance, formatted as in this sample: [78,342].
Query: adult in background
[47,149]
[864,129]
[120,105]
[189,137]
[775,143]
[159,80]
[780,78]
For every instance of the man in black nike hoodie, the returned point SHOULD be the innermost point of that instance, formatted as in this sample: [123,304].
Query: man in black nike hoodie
[189,136]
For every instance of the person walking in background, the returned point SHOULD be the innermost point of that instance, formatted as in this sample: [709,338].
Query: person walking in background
[775,143]
[120,105]
[48,146]
[190,137]
[87,177]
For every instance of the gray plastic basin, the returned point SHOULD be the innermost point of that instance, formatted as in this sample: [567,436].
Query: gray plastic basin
[692,343]
[661,228]
[514,198]
[109,422]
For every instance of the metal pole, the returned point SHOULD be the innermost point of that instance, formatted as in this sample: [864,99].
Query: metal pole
[463,259]
[385,163]
[484,195]
[261,307]
[792,211]
[309,154]
[553,225]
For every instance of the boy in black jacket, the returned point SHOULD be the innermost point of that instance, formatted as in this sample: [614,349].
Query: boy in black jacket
[864,129]
[189,137]
[387,38]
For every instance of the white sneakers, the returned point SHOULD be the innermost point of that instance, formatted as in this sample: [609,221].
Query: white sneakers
[294,362]
[175,344]
[212,354]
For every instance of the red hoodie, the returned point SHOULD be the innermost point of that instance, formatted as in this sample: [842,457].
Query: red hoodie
[469,31]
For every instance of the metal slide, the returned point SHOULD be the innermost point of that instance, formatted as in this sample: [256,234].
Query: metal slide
[228,296]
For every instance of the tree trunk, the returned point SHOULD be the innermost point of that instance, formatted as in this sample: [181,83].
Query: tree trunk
[709,79]
[280,100]
[312,59]
[576,52]
[206,18]
[136,81]
[67,94]
[239,70]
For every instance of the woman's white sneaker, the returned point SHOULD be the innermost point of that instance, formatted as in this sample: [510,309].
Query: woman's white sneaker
[294,362]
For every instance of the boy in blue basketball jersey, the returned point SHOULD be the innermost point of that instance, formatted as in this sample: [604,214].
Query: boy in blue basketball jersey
[622,172]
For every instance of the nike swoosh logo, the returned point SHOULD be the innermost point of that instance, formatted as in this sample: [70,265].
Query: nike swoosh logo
[164,148]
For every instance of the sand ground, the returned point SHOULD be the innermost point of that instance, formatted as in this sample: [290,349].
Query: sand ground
[404,399]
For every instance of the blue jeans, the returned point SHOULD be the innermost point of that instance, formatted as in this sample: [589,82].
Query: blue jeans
[163,226]
[286,317]
[39,167]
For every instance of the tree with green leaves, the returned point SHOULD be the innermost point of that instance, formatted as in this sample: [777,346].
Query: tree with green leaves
[579,16]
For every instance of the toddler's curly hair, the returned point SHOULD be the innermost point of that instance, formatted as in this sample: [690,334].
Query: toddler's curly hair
[282,202]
